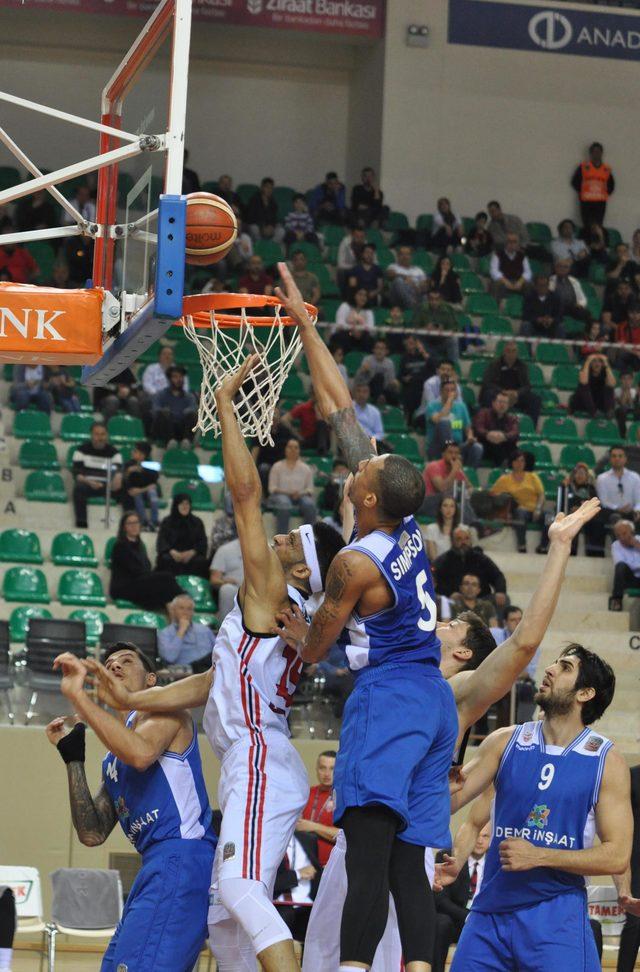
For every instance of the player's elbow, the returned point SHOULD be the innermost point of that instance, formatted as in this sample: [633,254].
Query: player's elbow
[140,761]
[246,491]
[90,838]
[619,861]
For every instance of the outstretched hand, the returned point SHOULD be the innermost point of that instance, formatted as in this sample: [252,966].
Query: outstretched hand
[293,627]
[291,297]
[74,674]
[229,388]
[59,727]
[565,528]
[111,691]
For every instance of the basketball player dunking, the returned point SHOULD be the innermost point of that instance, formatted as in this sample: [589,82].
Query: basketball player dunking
[558,783]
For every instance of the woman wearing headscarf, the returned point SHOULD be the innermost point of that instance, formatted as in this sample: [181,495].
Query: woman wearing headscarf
[182,541]
[132,578]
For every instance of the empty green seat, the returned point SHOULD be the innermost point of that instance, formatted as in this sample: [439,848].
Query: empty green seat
[424,260]
[37,454]
[125,430]
[81,587]
[333,235]
[198,589]
[571,454]
[471,283]
[45,487]
[481,304]
[615,236]
[396,221]
[19,620]
[559,428]
[494,476]
[468,397]
[73,550]
[76,427]
[572,327]
[541,453]
[539,233]
[601,431]
[425,222]
[283,196]
[550,401]
[460,261]
[25,584]
[393,420]
[551,480]
[32,425]
[404,445]
[495,324]
[527,428]
[210,620]
[197,491]
[94,621]
[20,547]
[632,431]
[597,273]
[270,251]
[484,266]
[147,619]
[477,370]
[552,354]
[536,376]
[246,190]
[472,476]
[179,462]
[353,360]
[310,250]
[565,377]
[512,306]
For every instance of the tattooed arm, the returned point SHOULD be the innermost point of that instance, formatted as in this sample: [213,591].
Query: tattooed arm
[349,575]
[93,817]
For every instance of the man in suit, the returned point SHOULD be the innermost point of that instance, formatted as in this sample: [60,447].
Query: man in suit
[452,905]
[297,882]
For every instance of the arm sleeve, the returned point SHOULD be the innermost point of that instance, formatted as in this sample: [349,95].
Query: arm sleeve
[526,269]
[494,269]
[616,552]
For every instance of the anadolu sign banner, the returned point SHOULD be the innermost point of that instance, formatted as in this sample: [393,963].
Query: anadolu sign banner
[554,30]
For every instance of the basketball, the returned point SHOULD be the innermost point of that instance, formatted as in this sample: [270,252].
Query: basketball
[212,228]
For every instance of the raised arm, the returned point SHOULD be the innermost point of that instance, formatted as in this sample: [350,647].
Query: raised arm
[481,771]
[186,693]
[465,839]
[264,588]
[475,691]
[332,395]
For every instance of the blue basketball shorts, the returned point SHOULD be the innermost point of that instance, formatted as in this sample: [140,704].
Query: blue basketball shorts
[553,934]
[164,922]
[396,745]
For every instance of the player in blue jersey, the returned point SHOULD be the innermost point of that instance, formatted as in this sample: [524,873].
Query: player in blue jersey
[152,782]
[558,784]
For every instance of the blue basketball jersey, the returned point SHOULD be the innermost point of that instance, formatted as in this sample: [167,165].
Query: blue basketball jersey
[546,795]
[405,631]
[167,801]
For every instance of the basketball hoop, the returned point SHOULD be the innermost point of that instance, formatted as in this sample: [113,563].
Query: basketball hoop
[225,335]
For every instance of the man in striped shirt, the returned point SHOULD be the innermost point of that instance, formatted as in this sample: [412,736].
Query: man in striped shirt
[95,462]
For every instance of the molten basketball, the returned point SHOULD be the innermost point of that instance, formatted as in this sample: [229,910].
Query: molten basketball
[212,228]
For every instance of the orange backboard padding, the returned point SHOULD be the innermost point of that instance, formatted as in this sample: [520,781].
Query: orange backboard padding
[44,325]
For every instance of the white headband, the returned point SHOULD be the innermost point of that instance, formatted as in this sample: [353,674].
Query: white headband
[311,557]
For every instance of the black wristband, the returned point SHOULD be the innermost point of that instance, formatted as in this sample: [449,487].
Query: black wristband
[71,746]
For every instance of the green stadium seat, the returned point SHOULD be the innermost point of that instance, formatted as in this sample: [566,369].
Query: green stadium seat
[393,420]
[108,549]
[460,261]
[312,252]
[477,370]
[471,283]
[385,256]
[512,306]
[396,221]
[19,620]
[25,584]
[42,486]
[333,235]
[565,377]
[294,387]
[527,428]
[632,431]
[589,290]
[594,306]
[322,466]
[404,445]
[246,190]
[615,236]
[524,348]
[270,251]
[494,324]
[560,429]
[73,550]
[197,588]
[328,311]
[125,430]
[469,397]
[484,266]
[283,196]
[572,327]
[75,427]
[81,587]
[481,304]
[210,620]
[424,260]
[602,432]
[550,401]
[597,273]
[380,316]
[93,620]
[472,476]
[32,425]
[541,453]
[147,619]
[45,256]
[571,454]
[197,490]
[536,376]
[37,454]
[178,463]
[20,547]
[353,360]
[493,476]
[551,481]
[425,222]
[552,354]
[539,233]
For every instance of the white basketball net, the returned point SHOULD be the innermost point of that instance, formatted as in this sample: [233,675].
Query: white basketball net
[223,351]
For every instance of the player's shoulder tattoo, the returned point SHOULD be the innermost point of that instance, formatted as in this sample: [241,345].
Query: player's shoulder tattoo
[339,575]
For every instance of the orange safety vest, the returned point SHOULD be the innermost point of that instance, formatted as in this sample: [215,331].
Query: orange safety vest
[594,182]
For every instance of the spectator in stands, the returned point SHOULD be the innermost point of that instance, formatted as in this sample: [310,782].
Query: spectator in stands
[262,212]
[512,618]
[298,223]
[497,430]
[627,402]
[191,179]
[30,387]
[338,356]
[83,202]
[8,921]
[306,281]
[446,234]
[355,324]
[501,224]
[448,420]
[616,307]
[431,389]
[17,261]
[467,598]
[332,493]
[291,485]
[174,411]
[131,576]
[593,181]
[154,376]
[440,475]
[408,283]
[622,267]
[594,393]
[226,191]
[95,461]
[123,395]
[437,536]
[510,270]
[328,201]
[572,297]
[256,280]
[317,816]
[184,642]
[265,456]
[62,387]
[182,541]
[314,432]
[415,366]
[378,371]
[435,315]
[618,488]
[567,246]
[226,576]
[367,275]
[596,238]
[509,374]
[59,275]
[35,211]
[527,497]
[350,248]
[296,883]
[630,935]
[369,416]
[634,250]
[367,199]
[542,311]
[140,486]
[450,567]
[628,332]
[580,486]
[479,241]
[625,553]
[446,281]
